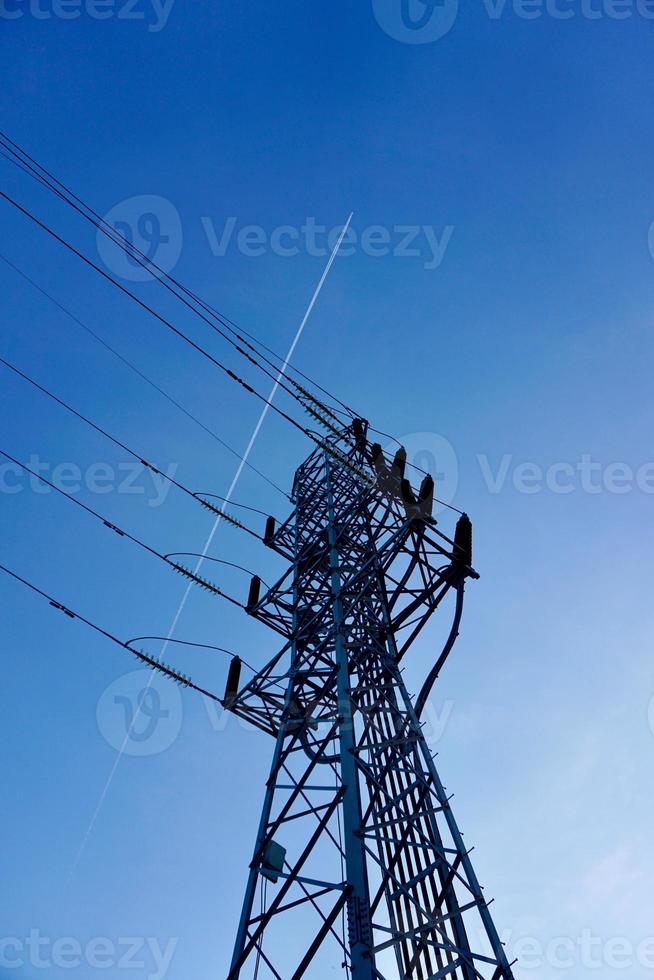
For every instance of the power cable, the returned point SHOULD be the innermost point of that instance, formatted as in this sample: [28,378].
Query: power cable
[143,376]
[176,566]
[167,323]
[200,646]
[142,260]
[102,225]
[66,194]
[219,561]
[152,662]
[155,469]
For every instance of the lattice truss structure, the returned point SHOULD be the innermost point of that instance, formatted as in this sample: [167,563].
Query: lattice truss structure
[359,867]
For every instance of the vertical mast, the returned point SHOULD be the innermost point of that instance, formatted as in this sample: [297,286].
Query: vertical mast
[359,864]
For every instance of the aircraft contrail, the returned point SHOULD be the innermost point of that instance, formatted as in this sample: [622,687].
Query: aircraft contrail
[212,533]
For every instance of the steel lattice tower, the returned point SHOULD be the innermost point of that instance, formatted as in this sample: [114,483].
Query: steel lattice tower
[359,865]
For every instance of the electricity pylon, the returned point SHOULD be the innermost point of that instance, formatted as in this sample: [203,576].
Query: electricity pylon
[359,865]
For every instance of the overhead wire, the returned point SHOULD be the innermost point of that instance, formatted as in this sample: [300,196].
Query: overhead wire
[121,445]
[37,171]
[158,316]
[143,376]
[152,662]
[203,646]
[176,566]
[255,510]
[145,262]
[200,646]
[102,225]
[219,561]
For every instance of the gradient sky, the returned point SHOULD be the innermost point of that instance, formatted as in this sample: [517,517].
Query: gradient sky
[525,147]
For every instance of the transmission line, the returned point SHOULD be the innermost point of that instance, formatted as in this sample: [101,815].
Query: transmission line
[152,662]
[41,174]
[36,170]
[176,566]
[143,376]
[158,316]
[198,498]
[100,223]
[199,646]
[145,263]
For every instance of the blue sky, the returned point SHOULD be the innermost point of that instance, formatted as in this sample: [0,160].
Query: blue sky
[517,152]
